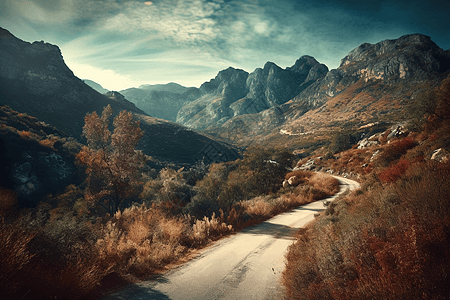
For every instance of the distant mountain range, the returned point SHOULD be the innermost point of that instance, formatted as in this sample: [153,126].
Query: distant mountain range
[161,100]
[296,108]
[271,105]
[35,80]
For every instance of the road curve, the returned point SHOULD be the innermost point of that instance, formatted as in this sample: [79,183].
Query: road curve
[246,265]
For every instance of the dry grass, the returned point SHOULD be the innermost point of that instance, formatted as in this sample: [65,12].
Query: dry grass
[141,240]
[315,186]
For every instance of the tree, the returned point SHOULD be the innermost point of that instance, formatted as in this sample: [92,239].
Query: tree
[431,105]
[112,163]
[341,141]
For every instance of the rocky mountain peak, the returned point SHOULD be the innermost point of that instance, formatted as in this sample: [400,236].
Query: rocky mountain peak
[304,64]
[225,80]
[405,43]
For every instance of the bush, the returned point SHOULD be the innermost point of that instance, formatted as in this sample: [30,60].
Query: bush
[394,172]
[394,151]
[388,243]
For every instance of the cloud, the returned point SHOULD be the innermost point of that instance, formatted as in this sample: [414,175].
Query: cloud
[188,39]
[109,79]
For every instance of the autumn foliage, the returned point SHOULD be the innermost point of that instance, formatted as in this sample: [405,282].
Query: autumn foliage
[386,242]
[112,163]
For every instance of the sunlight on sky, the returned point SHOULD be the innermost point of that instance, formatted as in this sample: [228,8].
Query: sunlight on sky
[121,43]
[108,79]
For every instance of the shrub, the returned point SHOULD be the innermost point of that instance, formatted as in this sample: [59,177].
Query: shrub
[388,243]
[394,172]
[25,134]
[394,151]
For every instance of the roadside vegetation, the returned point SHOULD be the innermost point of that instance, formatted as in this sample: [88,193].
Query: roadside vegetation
[391,238]
[127,222]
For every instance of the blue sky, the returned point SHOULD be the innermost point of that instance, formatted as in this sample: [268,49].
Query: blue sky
[126,43]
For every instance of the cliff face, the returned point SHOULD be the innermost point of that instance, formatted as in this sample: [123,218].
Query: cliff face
[34,79]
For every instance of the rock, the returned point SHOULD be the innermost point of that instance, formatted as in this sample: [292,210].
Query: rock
[440,155]
[374,155]
[294,180]
[309,165]
[234,92]
[367,142]
[397,131]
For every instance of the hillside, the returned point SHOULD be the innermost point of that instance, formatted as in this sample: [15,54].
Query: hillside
[35,80]
[36,159]
[305,104]
[95,86]
[388,240]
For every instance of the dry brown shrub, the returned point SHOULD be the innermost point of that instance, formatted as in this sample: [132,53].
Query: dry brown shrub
[326,183]
[389,243]
[259,207]
[209,229]
[48,143]
[14,258]
[299,174]
[25,134]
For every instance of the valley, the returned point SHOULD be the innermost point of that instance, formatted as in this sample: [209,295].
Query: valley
[247,265]
[236,171]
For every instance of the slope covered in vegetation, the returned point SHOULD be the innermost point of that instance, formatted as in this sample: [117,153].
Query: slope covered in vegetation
[83,240]
[391,239]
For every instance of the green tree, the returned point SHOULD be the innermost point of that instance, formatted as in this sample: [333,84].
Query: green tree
[341,141]
[112,163]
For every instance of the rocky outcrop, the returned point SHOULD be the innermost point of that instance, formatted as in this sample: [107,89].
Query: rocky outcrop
[213,107]
[409,58]
[440,155]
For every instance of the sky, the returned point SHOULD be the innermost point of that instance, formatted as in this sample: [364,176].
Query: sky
[126,43]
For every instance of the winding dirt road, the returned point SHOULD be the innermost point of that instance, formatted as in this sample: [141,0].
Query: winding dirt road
[247,265]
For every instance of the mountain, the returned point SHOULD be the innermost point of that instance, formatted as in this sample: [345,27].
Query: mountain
[168,87]
[302,104]
[35,80]
[95,86]
[161,100]
[235,92]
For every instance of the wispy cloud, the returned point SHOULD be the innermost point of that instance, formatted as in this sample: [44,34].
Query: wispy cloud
[152,40]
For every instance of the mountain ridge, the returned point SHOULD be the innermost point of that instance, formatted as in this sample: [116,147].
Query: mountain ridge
[34,79]
[374,83]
